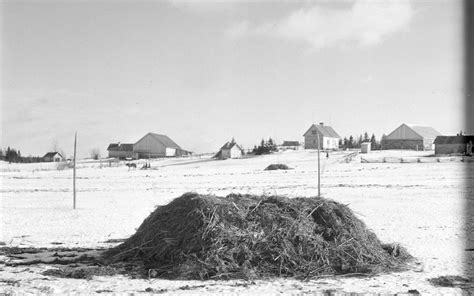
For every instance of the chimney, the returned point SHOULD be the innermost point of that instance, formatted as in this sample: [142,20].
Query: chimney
[321,123]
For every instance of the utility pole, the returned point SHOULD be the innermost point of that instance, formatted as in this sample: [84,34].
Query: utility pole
[319,169]
[74,173]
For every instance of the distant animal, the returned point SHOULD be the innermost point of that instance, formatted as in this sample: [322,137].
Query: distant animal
[131,165]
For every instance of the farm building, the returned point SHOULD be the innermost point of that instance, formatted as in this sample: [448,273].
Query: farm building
[328,136]
[290,145]
[150,146]
[53,157]
[365,147]
[230,150]
[459,144]
[410,137]
[154,145]
[122,151]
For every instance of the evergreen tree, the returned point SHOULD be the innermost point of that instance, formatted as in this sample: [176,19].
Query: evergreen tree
[350,143]
[366,137]
[373,143]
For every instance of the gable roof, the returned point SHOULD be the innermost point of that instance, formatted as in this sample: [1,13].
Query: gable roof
[425,131]
[163,139]
[230,145]
[52,154]
[291,143]
[120,147]
[323,130]
[410,131]
[453,139]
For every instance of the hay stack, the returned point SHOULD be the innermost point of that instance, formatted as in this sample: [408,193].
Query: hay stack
[243,236]
[274,167]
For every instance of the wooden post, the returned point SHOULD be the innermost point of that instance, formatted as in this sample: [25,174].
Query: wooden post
[319,169]
[74,173]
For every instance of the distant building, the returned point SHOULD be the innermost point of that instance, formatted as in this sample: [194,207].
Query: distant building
[290,144]
[155,145]
[459,144]
[121,151]
[149,146]
[53,157]
[230,150]
[326,134]
[365,147]
[410,137]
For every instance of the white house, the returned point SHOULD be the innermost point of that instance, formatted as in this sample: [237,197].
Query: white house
[53,157]
[230,150]
[324,133]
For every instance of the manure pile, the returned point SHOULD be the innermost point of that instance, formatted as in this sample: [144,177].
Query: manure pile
[244,236]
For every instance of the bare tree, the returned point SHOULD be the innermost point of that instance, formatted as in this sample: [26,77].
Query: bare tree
[95,153]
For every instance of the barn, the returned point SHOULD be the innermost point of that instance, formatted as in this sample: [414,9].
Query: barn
[290,145]
[460,144]
[230,150]
[121,151]
[328,136]
[53,157]
[410,137]
[155,145]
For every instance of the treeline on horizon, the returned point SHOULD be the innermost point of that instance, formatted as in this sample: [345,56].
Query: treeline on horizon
[269,146]
[351,142]
[14,155]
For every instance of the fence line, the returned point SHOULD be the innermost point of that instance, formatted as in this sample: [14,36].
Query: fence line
[416,159]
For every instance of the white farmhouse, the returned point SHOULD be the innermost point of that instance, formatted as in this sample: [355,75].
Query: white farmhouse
[326,134]
[230,150]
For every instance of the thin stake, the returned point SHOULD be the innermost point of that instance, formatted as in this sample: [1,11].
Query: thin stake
[74,173]
[319,170]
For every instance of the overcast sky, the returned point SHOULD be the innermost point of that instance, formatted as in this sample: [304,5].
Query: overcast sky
[205,72]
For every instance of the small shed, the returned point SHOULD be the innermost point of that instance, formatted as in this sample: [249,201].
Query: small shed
[365,147]
[53,157]
[230,150]
[290,145]
[460,144]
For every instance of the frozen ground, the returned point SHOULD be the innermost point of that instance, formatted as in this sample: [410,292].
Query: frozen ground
[419,205]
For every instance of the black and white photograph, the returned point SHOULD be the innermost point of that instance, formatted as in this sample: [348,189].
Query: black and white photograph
[236,147]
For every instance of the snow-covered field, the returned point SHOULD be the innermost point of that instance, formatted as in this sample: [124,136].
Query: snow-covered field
[419,205]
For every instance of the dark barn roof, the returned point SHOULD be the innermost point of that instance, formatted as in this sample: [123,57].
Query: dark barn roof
[440,140]
[120,147]
[229,145]
[52,154]
[291,143]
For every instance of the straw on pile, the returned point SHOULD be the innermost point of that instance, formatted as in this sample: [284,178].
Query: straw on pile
[279,166]
[243,236]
